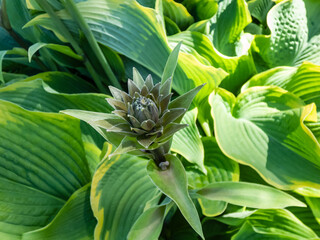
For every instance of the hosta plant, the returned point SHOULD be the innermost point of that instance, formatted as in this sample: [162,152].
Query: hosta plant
[215,137]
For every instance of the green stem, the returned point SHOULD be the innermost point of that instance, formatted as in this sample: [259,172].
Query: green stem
[78,18]
[65,32]
[158,155]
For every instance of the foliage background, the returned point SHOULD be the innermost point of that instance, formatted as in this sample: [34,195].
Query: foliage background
[255,122]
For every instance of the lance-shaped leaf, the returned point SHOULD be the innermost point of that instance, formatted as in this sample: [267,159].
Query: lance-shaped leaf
[249,195]
[173,183]
[171,65]
[56,47]
[149,225]
[100,122]
[219,168]
[185,100]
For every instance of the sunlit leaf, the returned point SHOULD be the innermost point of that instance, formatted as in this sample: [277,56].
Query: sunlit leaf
[119,193]
[264,128]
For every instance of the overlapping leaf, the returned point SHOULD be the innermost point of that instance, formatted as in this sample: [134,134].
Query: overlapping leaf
[187,141]
[114,23]
[264,128]
[35,96]
[302,81]
[120,191]
[219,168]
[43,163]
[274,224]
[294,34]
[75,220]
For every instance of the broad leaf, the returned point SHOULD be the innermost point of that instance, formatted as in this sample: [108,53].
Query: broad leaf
[303,82]
[314,204]
[298,18]
[177,13]
[7,42]
[239,67]
[43,163]
[119,193]
[63,82]
[18,16]
[74,221]
[274,224]
[173,183]
[232,17]
[201,9]
[264,128]
[24,94]
[249,194]
[101,15]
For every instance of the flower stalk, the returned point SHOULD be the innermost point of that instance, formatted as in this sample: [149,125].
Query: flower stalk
[147,117]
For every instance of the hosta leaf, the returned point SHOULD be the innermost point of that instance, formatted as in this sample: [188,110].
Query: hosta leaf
[219,168]
[263,125]
[43,163]
[171,27]
[18,16]
[7,42]
[63,82]
[143,229]
[232,17]
[249,194]
[201,9]
[32,4]
[274,224]
[177,13]
[131,40]
[187,141]
[25,94]
[173,183]
[148,226]
[75,220]
[306,216]
[314,204]
[92,156]
[260,8]
[240,68]
[302,81]
[119,193]
[56,47]
[294,34]
[2,53]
